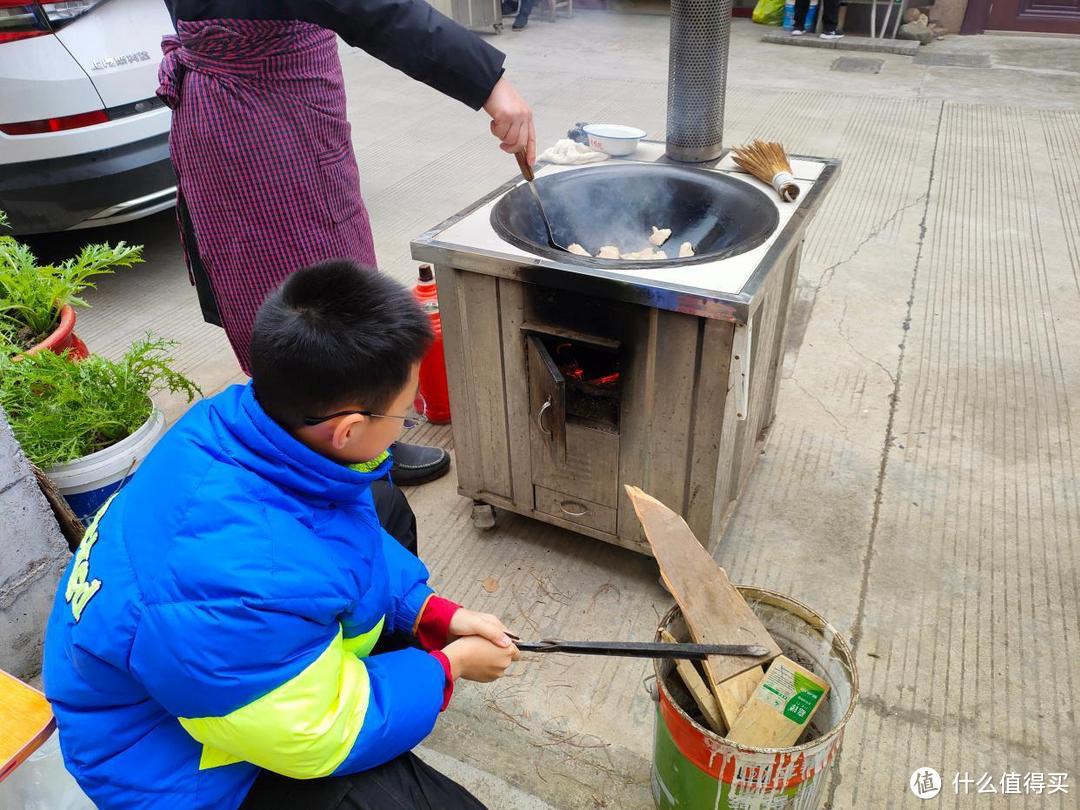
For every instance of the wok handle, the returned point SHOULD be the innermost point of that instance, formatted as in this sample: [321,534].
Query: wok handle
[523,164]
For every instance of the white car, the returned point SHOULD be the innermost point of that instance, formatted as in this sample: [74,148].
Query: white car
[83,138]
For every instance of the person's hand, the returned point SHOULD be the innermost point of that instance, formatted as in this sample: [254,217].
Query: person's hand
[474,658]
[470,623]
[511,120]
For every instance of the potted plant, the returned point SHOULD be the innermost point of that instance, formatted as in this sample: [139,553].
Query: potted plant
[89,424]
[37,301]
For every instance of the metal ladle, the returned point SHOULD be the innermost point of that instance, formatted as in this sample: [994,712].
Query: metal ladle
[530,177]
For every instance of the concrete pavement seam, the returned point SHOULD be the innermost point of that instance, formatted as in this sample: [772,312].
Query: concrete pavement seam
[879,490]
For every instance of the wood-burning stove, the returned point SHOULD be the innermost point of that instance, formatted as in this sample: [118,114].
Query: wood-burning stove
[571,376]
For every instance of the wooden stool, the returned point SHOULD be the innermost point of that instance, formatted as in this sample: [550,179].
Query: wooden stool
[26,719]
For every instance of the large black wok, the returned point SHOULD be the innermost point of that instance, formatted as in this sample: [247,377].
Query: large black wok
[618,203]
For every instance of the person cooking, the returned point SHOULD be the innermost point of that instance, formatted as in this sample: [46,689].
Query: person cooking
[267,180]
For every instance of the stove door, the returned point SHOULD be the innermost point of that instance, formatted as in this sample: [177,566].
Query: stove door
[547,400]
[575,458]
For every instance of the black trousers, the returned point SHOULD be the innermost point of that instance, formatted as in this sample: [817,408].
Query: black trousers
[403,783]
[828,9]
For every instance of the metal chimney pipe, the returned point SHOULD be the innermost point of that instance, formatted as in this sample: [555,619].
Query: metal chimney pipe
[697,79]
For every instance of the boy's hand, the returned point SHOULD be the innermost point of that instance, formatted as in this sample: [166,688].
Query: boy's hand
[470,623]
[476,659]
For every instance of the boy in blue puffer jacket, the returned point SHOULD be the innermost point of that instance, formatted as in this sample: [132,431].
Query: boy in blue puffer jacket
[211,644]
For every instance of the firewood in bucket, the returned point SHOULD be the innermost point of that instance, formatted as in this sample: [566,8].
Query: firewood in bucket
[768,163]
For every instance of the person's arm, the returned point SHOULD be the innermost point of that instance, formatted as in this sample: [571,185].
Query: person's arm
[428,46]
[408,35]
[263,683]
[416,608]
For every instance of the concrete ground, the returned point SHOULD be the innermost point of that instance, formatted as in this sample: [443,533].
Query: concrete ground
[919,486]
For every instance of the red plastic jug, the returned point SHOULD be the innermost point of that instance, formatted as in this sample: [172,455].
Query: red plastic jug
[433,367]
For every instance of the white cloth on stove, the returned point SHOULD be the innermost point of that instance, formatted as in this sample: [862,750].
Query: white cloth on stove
[568,152]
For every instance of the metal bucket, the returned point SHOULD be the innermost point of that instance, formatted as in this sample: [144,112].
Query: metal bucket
[694,768]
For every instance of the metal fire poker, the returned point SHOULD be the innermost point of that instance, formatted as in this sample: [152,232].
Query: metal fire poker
[643,649]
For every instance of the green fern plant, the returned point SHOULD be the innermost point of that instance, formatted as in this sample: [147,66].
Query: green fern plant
[32,294]
[60,411]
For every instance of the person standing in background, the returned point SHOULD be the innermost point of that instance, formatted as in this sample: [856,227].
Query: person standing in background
[525,8]
[830,18]
[267,180]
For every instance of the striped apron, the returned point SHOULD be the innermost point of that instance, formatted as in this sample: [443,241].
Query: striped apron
[267,178]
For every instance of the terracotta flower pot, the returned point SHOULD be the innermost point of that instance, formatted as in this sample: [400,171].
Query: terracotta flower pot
[64,337]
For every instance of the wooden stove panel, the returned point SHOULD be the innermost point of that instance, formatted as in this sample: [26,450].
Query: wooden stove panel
[590,469]
[705,497]
[727,466]
[512,318]
[658,408]
[482,382]
[575,509]
[751,431]
[458,375]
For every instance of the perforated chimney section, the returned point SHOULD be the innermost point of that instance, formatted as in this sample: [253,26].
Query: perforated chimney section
[697,79]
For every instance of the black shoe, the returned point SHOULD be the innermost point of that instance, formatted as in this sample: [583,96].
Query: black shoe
[417,464]
[520,23]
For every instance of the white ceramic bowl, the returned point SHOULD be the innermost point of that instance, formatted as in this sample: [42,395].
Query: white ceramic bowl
[614,139]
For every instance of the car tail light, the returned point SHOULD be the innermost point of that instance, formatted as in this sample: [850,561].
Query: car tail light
[87,119]
[20,19]
[62,12]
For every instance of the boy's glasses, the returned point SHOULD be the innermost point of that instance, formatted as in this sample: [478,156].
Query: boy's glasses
[416,417]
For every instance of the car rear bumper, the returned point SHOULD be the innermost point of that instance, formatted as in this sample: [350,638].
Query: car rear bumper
[94,188]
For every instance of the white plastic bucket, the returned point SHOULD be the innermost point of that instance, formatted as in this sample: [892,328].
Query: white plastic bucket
[87,482]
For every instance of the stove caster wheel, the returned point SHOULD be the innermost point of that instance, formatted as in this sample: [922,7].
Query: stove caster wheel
[498,28]
[483,515]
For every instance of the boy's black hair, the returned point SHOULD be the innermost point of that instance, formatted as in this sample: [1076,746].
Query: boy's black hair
[335,335]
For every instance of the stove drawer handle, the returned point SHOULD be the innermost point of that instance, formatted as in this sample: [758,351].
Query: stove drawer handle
[584,509]
[540,417]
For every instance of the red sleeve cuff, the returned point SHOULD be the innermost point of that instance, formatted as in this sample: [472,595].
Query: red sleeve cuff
[433,626]
[448,689]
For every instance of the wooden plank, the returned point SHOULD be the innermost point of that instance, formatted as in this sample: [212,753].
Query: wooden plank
[657,409]
[590,469]
[571,334]
[727,468]
[511,318]
[733,694]
[672,408]
[640,339]
[714,610]
[458,377]
[703,499]
[575,509]
[577,528]
[781,707]
[480,313]
[26,720]
[695,685]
